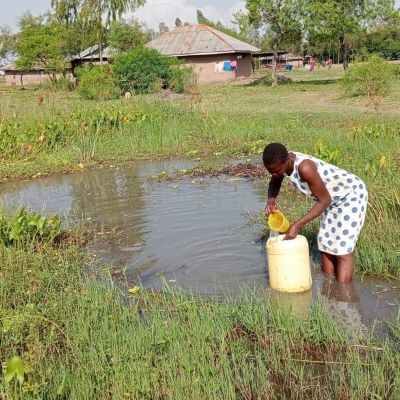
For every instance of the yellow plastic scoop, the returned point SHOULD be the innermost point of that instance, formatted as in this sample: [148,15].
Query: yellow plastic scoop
[277,222]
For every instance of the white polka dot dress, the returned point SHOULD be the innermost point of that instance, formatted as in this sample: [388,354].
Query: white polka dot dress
[342,221]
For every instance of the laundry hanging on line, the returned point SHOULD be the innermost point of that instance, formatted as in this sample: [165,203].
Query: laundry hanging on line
[225,66]
[219,67]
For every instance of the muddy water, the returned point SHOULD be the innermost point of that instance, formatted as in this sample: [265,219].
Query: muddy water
[194,234]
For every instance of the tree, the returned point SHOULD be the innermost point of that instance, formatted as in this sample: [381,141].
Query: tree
[78,33]
[178,22]
[336,21]
[201,19]
[40,47]
[28,20]
[377,13]
[111,9]
[383,30]
[92,12]
[7,41]
[282,21]
[66,11]
[162,28]
[77,36]
[246,29]
[384,38]
[95,9]
[126,36]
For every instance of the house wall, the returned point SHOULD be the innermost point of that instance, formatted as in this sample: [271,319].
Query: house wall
[296,63]
[86,61]
[13,78]
[205,67]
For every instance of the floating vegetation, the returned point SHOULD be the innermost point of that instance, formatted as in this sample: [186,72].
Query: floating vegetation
[245,170]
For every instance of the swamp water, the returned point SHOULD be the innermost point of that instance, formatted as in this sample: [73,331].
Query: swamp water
[192,233]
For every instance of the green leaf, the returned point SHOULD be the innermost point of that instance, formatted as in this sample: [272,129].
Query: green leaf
[134,290]
[14,368]
[6,325]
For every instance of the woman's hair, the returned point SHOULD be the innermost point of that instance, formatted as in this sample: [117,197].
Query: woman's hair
[275,153]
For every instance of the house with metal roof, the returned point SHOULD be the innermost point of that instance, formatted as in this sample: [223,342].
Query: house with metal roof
[14,76]
[91,55]
[213,55]
[38,76]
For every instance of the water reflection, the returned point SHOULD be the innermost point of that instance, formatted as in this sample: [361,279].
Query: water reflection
[299,302]
[343,302]
[113,201]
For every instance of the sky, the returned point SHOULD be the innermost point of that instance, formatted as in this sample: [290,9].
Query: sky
[153,12]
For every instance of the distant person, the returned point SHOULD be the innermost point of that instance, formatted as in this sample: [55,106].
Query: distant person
[341,198]
[312,64]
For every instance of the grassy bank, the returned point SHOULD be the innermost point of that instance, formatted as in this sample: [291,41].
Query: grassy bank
[83,339]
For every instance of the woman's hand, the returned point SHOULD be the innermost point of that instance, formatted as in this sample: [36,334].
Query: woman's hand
[271,207]
[292,232]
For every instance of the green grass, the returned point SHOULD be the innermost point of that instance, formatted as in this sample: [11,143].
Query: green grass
[81,337]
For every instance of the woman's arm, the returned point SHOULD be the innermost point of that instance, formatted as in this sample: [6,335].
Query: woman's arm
[273,191]
[309,173]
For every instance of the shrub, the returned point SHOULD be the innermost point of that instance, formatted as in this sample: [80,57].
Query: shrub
[371,78]
[145,70]
[183,79]
[326,153]
[97,83]
[266,80]
[63,83]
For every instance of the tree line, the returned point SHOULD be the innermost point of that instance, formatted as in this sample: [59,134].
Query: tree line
[323,27]
[336,29]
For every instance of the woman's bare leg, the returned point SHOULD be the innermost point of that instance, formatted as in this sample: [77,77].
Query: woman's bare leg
[328,263]
[344,268]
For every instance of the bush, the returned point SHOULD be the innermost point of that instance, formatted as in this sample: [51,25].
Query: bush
[371,78]
[63,83]
[145,70]
[97,83]
[266,80]
[183,79]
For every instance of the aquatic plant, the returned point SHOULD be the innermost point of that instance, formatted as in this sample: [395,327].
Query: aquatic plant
[23,227]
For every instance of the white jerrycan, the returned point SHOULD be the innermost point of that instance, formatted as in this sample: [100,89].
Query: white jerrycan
[289,264]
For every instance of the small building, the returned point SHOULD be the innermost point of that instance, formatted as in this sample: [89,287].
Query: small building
[35,76]
[213,55]
[38,76]
[265,59]
[91,56]
[294,59]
